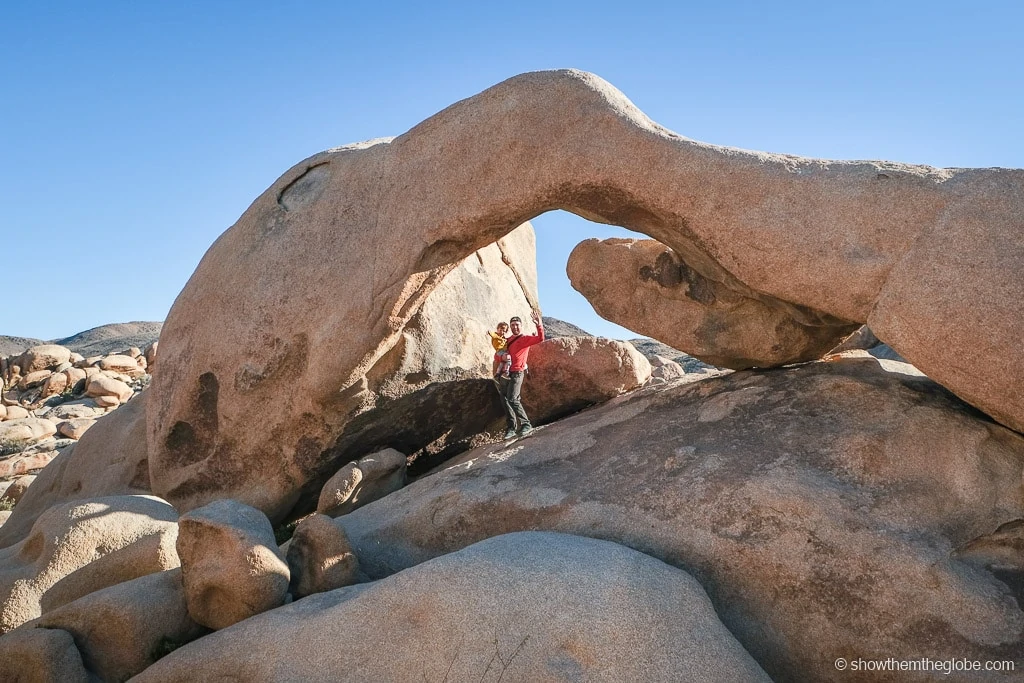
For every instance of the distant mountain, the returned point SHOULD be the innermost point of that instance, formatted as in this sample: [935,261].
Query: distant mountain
[10,346]
[553,327]
[652,347]
[114,337]
[95,342]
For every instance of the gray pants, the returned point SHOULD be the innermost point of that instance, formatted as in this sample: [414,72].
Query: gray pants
[509,390]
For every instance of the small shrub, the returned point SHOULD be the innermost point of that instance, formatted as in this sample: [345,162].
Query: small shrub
[10,448]
[284,532]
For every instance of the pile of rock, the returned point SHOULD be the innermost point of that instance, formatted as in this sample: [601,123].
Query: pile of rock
[51,396]
[767,522]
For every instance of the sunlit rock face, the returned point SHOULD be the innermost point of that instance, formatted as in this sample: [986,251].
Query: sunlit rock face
[312,287]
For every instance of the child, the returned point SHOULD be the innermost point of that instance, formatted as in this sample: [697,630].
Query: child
[502,359]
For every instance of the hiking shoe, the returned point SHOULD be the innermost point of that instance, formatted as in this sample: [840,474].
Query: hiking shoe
[509,434]
[526,429]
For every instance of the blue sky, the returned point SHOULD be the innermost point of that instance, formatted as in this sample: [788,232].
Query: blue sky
[133,134]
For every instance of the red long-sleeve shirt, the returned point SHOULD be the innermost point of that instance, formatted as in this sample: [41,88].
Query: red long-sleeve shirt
[519,348]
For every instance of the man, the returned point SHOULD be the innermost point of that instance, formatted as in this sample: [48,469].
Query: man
[518,346]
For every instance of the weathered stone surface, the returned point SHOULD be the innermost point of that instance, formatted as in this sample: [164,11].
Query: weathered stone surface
[107,401]
[109,460]
[320,558]
[14,492]
[42,357]
[55,384]
[119,363]
[123,629]
[70,410]
[861,338]
[16,413]
[4,516]
[430,393]
[645,286]
[821,507]
[26,430]
[77,548]
[41,655]
[150,354]
[75,428]
[362,482]
[487,613]
[100,387]
[668,370]
[231,567]
[34,379]
[824,242]
[26,461]
[568,374]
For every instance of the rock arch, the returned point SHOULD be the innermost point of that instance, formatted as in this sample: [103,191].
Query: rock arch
[312,285]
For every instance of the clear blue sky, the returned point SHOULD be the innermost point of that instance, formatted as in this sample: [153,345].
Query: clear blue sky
[133,134]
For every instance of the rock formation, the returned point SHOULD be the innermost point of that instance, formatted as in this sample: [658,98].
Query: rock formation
[123,629]
[110,460]
[320,558]
[77,548]
[362,482]
[568,374]
[429,394]
[485,613]
[645,286]
[51,407]
[819,506]
[42,656]
[230,565]
[851,507]
[365,232]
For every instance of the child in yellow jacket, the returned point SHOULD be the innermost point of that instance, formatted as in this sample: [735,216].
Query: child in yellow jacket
[502,359]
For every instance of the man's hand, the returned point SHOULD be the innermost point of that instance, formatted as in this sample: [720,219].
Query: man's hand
[535,316]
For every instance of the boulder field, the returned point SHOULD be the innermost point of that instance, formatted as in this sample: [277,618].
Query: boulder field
[330,354]
[312,288]
[829,509]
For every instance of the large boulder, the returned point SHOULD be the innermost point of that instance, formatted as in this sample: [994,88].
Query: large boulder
[29,460]
[230,564]
[362,482]
[821,507]
[42,357]
[522,607]
[334,259]
[320,557]
[120,363]
[105,387]
[645,286]
[77,548]
[41,655]
[15,489]
[26,430]
[123,629]
[568,374]
[109,460]
[428,389]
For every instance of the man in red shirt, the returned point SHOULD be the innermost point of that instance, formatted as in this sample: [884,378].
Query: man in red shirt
[518,346]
